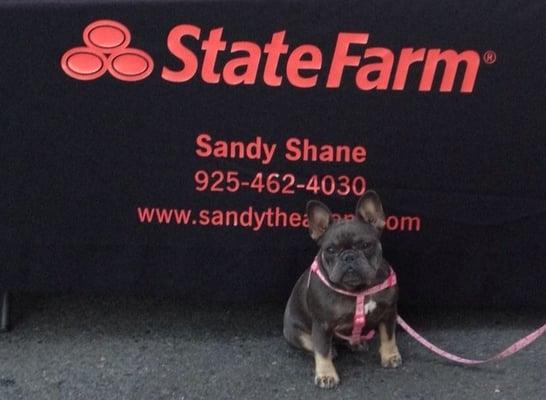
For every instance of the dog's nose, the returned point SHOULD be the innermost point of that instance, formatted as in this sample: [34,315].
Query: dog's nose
[348,257]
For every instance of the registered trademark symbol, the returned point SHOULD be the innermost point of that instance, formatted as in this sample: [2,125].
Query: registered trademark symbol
[489,57]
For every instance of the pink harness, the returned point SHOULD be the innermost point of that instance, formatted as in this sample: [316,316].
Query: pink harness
[359,321]
[359,318]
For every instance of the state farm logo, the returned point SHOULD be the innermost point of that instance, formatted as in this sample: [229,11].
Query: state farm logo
[215,59]
[106,50]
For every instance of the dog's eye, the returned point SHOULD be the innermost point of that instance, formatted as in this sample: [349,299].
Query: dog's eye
[331,250]
[363,245]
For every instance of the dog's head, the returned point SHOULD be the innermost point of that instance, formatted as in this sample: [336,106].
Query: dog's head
[350,251]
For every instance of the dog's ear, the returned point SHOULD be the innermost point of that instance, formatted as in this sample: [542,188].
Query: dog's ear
[319,217]
[369,209]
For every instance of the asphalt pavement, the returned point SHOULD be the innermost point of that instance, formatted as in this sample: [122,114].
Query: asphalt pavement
[84,347]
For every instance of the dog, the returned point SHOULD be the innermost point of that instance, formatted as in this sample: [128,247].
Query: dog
[349,259]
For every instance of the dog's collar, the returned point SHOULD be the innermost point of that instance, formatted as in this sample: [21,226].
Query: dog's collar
[359,318]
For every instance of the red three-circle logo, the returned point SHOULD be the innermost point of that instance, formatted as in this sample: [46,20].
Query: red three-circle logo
[106,49]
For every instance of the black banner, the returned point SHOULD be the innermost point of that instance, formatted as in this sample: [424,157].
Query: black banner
[170,147]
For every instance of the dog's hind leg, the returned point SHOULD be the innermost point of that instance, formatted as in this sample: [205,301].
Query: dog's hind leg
[297,337]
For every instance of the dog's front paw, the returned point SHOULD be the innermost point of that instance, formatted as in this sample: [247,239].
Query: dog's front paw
[327,381]
[391,361]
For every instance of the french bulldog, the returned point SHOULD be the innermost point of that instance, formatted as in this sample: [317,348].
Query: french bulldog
[349,258]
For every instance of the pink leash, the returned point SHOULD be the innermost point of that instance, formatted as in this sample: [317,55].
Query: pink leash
[520,344]
[359,321]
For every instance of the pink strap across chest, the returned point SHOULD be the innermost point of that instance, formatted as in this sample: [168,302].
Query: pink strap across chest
[359,318]
[359,321]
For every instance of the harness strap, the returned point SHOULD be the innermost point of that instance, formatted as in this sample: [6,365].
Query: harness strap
[359,317]
[359,321]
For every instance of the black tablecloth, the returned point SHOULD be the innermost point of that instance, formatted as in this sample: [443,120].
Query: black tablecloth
[142,160]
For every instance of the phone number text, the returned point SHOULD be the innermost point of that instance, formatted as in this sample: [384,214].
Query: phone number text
[275,183]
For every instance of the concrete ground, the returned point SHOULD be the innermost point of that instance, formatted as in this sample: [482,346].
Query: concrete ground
[70,347]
